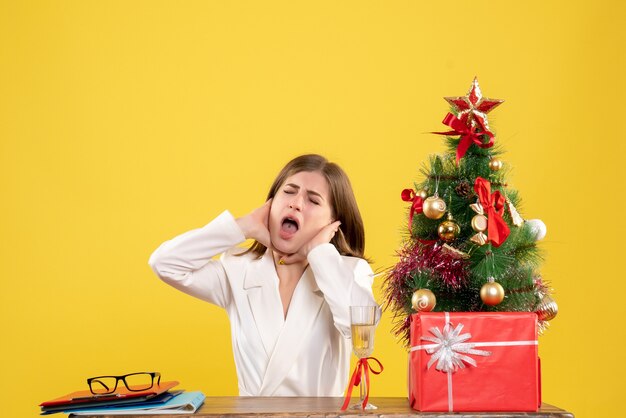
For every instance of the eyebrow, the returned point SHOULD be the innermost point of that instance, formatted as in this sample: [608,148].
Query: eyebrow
[313,192]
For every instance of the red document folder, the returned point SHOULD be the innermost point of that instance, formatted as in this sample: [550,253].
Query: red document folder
[85,398]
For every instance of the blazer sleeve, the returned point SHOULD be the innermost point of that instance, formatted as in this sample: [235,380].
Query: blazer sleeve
[185,262]
[344,281]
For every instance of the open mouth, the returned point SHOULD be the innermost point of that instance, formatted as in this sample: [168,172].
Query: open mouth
[289,226]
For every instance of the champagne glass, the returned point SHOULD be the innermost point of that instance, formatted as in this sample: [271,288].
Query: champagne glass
[363,324]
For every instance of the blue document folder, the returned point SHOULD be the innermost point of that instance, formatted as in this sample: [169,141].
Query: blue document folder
[183,403]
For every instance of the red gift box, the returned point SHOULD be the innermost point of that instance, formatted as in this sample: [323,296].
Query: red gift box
[474,361]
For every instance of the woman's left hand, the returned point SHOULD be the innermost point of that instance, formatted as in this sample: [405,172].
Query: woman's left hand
[324,236]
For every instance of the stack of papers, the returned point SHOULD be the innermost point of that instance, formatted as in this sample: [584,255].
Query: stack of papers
[157,400]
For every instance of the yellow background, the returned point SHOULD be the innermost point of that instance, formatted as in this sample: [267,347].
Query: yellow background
[125,123]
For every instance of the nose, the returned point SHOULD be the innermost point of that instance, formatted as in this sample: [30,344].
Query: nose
[296,203]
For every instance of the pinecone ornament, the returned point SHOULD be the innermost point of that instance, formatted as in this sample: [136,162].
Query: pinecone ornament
[463,189]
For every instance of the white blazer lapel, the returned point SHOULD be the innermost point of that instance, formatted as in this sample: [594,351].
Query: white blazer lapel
[261,286]
[303,310]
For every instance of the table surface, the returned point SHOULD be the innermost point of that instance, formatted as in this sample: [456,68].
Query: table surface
[234,406]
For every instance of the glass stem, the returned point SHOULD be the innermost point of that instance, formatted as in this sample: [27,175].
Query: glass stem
[362,385]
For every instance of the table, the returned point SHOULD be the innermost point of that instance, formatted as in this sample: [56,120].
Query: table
[234,406]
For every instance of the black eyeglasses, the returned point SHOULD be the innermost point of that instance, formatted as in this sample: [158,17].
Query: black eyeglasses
[134,382]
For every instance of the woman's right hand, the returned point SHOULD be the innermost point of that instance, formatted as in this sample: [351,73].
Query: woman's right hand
[255,225]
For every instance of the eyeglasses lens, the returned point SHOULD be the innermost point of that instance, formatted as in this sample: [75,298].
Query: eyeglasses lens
[139,381]
[104,384]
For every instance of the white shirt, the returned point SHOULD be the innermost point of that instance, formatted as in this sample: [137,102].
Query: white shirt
[305,354]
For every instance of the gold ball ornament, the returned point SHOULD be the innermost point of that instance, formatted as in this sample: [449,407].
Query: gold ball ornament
[423,300]
[495,164]
[434,207]
[422,193]
[547,309]
[492,293]
[448,230]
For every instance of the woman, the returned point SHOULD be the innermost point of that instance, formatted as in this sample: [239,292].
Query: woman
[288,295]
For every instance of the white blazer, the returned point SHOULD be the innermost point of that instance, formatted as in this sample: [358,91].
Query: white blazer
[306,354]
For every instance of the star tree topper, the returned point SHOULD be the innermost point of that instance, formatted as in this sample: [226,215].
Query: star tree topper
[473,107]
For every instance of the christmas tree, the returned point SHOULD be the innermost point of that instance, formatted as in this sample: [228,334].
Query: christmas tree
[467,247]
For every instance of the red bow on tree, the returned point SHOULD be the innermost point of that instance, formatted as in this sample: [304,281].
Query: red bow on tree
[409,195]
[362,367]
[469,134]
[493,204]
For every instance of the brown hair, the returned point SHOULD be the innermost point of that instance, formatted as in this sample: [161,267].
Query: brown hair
[350,237]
